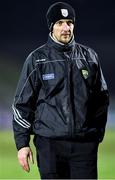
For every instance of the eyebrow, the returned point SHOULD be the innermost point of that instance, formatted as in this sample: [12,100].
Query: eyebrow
[63,20]
[69,20]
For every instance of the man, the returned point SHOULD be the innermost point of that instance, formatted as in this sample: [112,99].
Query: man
[61,98]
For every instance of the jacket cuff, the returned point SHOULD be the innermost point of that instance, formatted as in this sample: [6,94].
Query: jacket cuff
[19,146]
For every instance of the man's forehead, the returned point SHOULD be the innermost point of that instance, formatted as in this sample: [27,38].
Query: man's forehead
[64,20]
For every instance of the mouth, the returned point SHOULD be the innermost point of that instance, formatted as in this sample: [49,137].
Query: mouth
[65,34]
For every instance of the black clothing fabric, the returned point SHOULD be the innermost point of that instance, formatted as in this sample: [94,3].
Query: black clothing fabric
[70,159]
[61,94]
[57,11]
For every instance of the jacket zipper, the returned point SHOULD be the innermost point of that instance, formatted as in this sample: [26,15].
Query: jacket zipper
[70,121]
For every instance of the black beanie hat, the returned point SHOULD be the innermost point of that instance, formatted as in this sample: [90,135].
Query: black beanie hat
[57,11]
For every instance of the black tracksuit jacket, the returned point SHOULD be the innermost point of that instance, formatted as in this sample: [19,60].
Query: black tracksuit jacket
[61,94]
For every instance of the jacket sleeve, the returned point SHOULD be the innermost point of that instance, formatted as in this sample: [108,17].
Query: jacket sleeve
[101,101]
[24,104]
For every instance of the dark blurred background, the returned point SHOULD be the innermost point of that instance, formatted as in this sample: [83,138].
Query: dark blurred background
[23,28]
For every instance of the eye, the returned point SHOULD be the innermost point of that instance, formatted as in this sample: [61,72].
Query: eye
[69,23]
[59,23]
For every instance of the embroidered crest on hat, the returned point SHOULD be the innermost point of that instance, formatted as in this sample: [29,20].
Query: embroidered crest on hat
[64,12]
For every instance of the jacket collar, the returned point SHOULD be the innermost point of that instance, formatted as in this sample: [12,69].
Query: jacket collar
[60,46]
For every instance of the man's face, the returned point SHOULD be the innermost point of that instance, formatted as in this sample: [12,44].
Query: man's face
[63,30]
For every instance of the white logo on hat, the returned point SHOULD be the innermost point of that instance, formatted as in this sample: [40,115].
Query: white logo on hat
[64,12]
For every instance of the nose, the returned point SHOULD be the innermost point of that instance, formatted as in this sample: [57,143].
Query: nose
[65,26]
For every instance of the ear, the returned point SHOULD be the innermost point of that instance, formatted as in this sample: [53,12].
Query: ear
[51,27]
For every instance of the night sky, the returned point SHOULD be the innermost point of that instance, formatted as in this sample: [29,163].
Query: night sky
[23,28]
